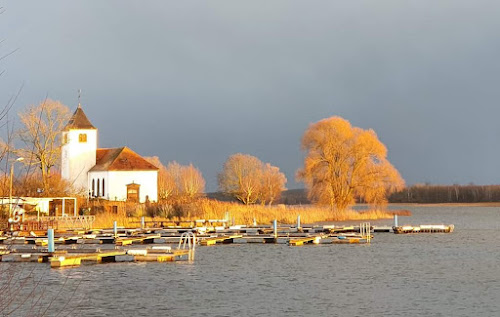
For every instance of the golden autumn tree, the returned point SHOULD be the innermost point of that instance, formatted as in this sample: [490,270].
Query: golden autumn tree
[273,184]
[249,180]
[40,134]
[343,163]
[240,177]
[166,181]
[176,181]
[191,182]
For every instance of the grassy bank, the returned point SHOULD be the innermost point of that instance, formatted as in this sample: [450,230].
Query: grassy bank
[242,214]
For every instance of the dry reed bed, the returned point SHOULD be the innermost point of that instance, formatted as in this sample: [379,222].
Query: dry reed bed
[243,214]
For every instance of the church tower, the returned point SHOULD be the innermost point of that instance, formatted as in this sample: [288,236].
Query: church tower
[78,153]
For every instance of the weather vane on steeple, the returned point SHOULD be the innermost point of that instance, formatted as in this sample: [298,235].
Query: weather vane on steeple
[79,97]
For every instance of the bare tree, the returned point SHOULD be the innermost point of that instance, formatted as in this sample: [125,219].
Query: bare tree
[176,181]
[273,184]
[192,183]
[240,177]
[343,163]
[40,134]
[166,181]
[174,169]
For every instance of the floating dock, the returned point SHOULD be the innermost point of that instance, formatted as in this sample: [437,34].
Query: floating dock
[424,229]
[77,257]
[220,239]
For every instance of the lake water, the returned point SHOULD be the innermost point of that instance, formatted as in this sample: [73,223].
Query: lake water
[454,274]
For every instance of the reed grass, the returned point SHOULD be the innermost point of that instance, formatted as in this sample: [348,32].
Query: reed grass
[246,214]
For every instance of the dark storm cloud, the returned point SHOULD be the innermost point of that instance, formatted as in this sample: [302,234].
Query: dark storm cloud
[196,81]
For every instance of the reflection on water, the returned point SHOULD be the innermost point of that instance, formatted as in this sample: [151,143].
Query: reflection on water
[399,275]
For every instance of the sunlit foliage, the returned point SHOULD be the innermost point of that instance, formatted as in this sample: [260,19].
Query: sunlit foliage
[178,182]
[344,163]
[249,180]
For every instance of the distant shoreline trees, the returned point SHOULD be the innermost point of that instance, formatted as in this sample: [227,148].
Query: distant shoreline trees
[344,163]
[435,194]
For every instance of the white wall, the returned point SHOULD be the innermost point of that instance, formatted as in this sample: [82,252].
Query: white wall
[116,184]
[78,158]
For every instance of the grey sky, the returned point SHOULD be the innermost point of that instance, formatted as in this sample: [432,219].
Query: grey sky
[195,81]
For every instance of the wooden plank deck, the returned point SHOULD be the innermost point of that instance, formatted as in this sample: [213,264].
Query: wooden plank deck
[65,259]
[129,240]
[305,240]
[220,239]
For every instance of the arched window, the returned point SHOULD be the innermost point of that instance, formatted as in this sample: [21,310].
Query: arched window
[93,187]
[103,187]
[98,191]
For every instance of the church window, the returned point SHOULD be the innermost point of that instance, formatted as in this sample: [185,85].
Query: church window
[93,187]
[103,187]
[98,191]
[82,138]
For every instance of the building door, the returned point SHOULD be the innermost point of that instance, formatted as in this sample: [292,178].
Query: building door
[133,192]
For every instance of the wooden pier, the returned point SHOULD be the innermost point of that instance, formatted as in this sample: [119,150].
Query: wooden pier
[66,259]
[76,247]
[142,239]
[220,239]
[424,229]
[305,240]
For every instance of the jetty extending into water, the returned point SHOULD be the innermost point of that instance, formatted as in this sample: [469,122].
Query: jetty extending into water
[66,248]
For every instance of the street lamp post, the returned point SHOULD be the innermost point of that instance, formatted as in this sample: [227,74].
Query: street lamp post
[19,159]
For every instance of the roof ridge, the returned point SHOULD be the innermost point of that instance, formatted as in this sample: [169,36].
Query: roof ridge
[122,158]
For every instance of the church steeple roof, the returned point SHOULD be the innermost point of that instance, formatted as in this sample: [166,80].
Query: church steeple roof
[79,121]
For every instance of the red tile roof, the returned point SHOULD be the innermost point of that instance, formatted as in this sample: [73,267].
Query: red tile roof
[79,121]
[120,159]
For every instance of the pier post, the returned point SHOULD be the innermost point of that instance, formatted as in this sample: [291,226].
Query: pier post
[115,229]
[142,223]
[395,220]
[298,222]
[275,228]
[50,237]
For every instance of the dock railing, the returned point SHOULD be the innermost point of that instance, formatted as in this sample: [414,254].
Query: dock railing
[365,231]
[188,241]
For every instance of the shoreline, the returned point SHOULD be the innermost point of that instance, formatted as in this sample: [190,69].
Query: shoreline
[485,204]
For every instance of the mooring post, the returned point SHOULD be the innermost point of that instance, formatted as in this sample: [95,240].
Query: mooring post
[298,222]
[142,223]
[115,229]
[50,237]
[395,220]
[275,228]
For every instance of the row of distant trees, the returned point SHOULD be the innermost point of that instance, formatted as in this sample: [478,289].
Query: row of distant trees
[447,194]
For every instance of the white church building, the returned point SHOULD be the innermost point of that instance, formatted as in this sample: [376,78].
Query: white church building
[113,174]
